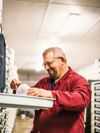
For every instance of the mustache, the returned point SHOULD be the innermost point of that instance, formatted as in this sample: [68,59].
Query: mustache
[52,73]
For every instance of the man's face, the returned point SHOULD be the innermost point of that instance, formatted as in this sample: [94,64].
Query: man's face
[52,64]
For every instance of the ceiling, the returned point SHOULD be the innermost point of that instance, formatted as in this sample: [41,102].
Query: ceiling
[31,26]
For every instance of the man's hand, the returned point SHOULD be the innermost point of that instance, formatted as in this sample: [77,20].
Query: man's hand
[39,92]
[15,84]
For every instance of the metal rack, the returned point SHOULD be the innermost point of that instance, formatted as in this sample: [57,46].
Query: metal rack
[3,120]
[19,101]
[23,101]
[95,107]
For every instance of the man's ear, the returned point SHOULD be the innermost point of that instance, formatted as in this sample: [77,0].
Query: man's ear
[62,59]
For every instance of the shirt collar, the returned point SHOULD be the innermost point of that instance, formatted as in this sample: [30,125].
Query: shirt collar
[66,75]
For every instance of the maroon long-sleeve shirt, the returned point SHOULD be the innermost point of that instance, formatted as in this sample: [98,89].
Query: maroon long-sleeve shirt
[72,94]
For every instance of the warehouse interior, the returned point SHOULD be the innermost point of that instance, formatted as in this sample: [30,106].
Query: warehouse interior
[31,26]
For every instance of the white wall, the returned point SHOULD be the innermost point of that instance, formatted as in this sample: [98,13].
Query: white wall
[1,2]
[92,71]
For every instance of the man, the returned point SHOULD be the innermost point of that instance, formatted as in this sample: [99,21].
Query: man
[70,90]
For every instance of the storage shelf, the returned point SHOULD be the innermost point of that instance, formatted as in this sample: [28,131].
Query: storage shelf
[23,101]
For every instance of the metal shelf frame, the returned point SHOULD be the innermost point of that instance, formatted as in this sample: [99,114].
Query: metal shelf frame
[24,101]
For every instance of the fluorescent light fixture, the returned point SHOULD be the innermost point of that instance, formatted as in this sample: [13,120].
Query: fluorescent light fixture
[71,25]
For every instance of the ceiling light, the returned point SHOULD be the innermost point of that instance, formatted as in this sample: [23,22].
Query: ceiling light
[71,25]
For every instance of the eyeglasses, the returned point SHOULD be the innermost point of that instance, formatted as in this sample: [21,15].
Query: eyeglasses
[50,63]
